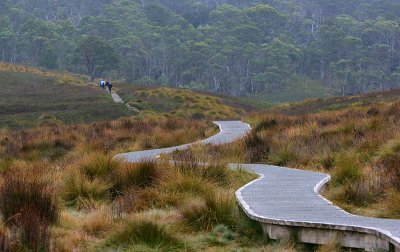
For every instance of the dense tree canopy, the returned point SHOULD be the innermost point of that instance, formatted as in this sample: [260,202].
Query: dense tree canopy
[229,46]
[96,55]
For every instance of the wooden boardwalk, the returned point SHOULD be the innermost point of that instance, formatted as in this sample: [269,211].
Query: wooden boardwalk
[287,200]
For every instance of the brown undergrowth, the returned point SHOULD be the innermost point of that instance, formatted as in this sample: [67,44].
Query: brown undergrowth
[61,190]
[56,172]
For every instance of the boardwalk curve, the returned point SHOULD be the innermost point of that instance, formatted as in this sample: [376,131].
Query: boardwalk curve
[287,201]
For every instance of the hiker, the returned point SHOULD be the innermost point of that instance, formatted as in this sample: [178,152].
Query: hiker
[102,83]
[106,86]
[110,87]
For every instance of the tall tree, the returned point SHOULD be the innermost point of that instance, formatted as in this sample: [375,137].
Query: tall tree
[96,55]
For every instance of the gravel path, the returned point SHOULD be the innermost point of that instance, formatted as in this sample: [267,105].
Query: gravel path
[118,99]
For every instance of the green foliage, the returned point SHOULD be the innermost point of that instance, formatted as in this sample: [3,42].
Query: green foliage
[220,236]
[96,55]
[265,48]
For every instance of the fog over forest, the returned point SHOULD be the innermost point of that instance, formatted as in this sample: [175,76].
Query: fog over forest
[233,47]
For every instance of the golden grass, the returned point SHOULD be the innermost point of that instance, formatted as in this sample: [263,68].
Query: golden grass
[177,102]
[103,202]
[358,145]
[61,77]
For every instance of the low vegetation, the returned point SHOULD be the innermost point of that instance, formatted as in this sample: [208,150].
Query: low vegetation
[336,103]
[61,189]
[179,102]
[61,77]
[49,170]
[32,97]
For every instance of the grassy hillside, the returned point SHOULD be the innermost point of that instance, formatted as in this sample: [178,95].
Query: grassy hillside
[31,97]
[337,103]
[180,102]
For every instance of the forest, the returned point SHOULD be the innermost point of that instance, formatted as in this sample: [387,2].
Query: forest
[234,47]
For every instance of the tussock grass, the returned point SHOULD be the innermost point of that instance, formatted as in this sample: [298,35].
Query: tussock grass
[98,165]
[78,190]
[357,145]
[98,222]
[216,208]
[146,232]
[392,204]
[347,170]
[191,163]
[27,203]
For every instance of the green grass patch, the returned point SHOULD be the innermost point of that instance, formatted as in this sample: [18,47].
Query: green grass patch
[30,100]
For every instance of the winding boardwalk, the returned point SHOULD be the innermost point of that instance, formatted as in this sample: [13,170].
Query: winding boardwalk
[287,201]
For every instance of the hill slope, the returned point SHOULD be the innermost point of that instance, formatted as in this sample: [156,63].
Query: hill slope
[31,97]
[182,103]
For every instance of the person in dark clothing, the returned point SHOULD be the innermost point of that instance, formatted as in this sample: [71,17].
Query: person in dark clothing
[110,86]
[106,86]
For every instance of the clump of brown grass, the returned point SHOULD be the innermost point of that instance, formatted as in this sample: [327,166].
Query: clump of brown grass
[190,163]
[28,203]
[98,222]
[129,175]
[216,208]
[392,204]
[78,190]
[97,165]
[143,231]
[347,169]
